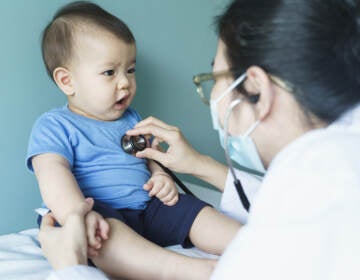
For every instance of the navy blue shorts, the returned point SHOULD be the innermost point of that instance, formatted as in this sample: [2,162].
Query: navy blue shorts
[158,223]
[161,224]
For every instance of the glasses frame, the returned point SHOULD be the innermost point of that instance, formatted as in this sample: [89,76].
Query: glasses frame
[210,76]
[203,77]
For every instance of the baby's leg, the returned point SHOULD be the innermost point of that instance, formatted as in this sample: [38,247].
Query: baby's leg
[212,231]
[126,254]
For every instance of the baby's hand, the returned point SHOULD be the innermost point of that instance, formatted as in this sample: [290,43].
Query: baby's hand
[163,187]
[97,230]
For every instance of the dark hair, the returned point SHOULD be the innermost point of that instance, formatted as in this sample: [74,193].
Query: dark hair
[59,35]
[313,44]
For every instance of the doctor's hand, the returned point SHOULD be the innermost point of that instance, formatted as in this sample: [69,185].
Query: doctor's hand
[180,155]
[67,245]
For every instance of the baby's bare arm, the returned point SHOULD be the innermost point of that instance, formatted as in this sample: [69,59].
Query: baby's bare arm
[57,184]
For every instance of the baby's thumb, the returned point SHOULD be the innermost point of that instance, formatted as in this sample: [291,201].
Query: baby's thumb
[148,185]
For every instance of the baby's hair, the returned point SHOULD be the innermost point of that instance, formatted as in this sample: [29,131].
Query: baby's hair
[58,40]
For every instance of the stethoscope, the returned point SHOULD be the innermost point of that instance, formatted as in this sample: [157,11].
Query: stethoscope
[238,186]
[134,144]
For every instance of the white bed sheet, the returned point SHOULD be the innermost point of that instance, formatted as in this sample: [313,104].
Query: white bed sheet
[21,256]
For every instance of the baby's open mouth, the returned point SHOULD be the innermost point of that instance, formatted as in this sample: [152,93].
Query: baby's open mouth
[121,101]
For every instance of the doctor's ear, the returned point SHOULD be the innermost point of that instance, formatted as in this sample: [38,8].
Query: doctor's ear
[261,91]
[62,78]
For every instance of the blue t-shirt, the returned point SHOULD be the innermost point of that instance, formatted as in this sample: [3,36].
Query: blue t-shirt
[92,148]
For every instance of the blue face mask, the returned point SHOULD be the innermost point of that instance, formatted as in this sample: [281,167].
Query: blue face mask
[240,148]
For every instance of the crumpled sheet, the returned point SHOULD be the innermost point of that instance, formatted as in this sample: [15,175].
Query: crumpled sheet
[21,257]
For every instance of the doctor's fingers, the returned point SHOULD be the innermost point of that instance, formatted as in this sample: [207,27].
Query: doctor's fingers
[170,136]
[155,154]
[155,143]
[154,121]
[77,217]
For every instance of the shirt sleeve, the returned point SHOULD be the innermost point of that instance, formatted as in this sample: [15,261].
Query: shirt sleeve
[77,272]
[49,135]
[230,203]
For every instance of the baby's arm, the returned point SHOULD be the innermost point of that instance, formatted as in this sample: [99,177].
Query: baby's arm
[161,185]
[58,186]
[60,191]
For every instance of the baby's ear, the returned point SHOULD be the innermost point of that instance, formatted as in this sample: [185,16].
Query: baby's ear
[62,78]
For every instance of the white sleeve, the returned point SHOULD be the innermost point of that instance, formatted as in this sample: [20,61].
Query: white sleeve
[78,272]
[230,203]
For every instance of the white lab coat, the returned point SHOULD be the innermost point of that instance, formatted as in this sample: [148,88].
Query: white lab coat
[304,220]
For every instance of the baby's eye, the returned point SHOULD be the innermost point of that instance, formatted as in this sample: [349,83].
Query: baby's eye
[109,72]
[131,70]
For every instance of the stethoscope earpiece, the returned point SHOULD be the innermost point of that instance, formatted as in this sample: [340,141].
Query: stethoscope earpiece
[254,98]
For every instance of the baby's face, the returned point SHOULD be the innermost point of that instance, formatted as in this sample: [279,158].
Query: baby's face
[102,75]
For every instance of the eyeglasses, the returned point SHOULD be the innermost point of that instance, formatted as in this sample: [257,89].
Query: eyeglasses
[204,83]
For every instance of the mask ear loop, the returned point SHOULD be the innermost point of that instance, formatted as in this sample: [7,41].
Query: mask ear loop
[240,190]
[231,87]
[213,103]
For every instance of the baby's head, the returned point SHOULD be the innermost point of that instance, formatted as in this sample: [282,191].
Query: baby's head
[90,54]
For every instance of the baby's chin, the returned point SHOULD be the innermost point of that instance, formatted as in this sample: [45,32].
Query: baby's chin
[116,114]
[113,114]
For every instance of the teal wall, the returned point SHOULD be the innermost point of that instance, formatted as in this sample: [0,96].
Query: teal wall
[175,39]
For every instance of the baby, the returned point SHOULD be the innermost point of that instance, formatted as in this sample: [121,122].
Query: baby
[75,152]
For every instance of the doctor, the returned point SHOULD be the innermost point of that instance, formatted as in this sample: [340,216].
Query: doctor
[285,99]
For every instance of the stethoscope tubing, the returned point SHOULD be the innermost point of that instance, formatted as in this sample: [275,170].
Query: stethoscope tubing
[176,179]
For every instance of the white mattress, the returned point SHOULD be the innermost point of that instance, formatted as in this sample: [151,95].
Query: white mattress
[21,256]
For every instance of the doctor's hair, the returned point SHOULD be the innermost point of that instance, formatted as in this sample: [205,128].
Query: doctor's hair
[313,44]
[59,37]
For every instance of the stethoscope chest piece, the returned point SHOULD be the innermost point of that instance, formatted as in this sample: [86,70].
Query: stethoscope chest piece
[133,144]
